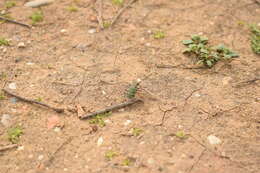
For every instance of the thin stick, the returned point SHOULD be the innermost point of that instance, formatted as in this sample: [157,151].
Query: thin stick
[111,108]
[248,82]
[164,114]
[8,147]
[15,22]
[58,110]
[99,16]
[121,11]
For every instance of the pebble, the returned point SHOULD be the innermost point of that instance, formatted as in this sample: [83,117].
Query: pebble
[29,63]
[37,3]
[63,30]
[21,45]
[197,95]
[6,120]
[30,156]
[147,44]
[127,122]
[213,140]
[40,157]
[20,148]
[100,141]
[57,129]
[92,31]
[12,86]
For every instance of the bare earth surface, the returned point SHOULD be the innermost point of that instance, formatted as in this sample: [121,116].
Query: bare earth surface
[65,65]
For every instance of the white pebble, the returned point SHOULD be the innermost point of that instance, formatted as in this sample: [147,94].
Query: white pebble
[37,3]
[12,86]
[197,95]
[57,129]
[147,44]
[30,156]
[103,92]
[127,122]
[29,63]
[100,141]
[21,45]
[20,148]
[91,31]
[213,140]
[40,157]
[63,30]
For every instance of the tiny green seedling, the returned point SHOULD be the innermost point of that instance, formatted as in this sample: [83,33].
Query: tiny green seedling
[181,135]
[118,2]
[159,34]
[4,42]
[72,8]
[137,131]
[36,17]
[2,97]
[10,4]
[131,91]
[110,154]
[206,55]
[39,99]
[255,39]
[126,162]
[99,119]
[14,134]
[106,24]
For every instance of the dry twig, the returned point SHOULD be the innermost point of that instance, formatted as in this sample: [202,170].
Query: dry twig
[247,82]
[111,108]
[8,147]
[120,12]
[99,16]
[58,110]
[15,22]
[164,114]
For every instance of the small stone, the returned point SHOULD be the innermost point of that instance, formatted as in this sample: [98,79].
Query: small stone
[100,141]
[149,31]
[107,121]
[65,169]
[37,3]
[30,156]
[4,50]
[20,148]
[57,129]
[12,86]
[121,110]
[148,44]
[103,92]
[197,95]
[40,157]
[21,45]
[6,120]
[127,122]
[213,140]
[29,63]
[92,31]
[63,30]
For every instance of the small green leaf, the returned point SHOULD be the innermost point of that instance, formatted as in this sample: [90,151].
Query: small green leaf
[187,42]
[209,63]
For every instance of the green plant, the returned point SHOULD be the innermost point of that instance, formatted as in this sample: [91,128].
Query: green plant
[39,99]
[2,97]
[99,119]
[36,17]
[4,42]
[255,38]
[131,91]
[110,154]
[118,2]
[181,135]
[106,24]
[137,131]
[126,162]
[159,34]
[205,54]
[14,134]
[10,4]
[72,8]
